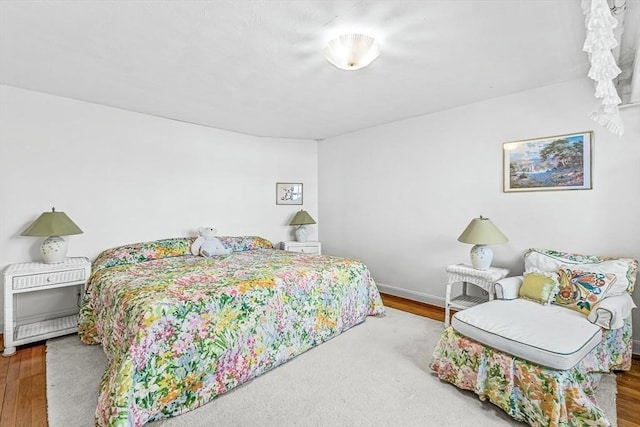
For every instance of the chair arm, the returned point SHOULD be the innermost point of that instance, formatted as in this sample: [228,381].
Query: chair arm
[508,287]
[610,312]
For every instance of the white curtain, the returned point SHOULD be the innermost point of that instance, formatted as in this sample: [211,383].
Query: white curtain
[599,41]
[635,81]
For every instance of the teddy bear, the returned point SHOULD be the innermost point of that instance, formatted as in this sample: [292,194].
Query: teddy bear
[207,244]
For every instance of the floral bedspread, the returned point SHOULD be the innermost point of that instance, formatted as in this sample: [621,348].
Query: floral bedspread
[179,330]
[528,392]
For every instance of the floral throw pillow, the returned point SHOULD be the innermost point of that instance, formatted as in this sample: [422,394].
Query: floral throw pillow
[581,290]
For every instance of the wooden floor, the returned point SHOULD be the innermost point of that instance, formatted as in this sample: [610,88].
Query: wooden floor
[23,395]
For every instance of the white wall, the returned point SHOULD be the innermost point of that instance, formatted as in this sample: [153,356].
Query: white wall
[397,196]
[125,177]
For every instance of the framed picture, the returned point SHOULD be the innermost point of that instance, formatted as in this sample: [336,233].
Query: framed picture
[561,162]
[288,193]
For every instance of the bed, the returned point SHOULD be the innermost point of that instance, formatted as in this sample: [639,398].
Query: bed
[179,330]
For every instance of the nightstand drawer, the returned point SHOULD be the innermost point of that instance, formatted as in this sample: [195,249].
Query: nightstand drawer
[304,249]
[310,247]
[47,279]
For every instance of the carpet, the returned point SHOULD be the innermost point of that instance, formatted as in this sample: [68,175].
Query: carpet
[375,374]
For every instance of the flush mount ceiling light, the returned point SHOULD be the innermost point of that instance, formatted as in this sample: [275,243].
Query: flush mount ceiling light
[352,51]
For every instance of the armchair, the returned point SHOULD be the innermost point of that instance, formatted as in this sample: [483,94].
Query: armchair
[541,362]
[608,313]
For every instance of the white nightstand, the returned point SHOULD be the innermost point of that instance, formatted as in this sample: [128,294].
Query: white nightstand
[38,276]
[467,274]
[303,247]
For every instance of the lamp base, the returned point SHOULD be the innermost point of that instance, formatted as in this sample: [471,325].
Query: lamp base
[54,250]
[481,257]
[301,233]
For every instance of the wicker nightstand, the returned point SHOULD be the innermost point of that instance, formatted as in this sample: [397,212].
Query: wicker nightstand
[38,276]
[467,274]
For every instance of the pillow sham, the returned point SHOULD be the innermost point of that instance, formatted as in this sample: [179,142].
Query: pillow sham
[143,251]
[164,248]
[580,290]
[620,268]
[625,269]
[540,287]
[245,243]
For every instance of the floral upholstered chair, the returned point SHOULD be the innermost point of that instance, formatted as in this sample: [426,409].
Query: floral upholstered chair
[539,350]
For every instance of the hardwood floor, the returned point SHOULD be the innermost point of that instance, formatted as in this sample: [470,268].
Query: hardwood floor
[23,397]
[23,393]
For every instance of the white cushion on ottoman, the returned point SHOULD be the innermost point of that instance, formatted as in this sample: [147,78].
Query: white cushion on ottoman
[547,335]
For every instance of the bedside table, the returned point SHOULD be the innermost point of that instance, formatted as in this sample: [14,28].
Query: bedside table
[303,247]
[467,274]
[33,277]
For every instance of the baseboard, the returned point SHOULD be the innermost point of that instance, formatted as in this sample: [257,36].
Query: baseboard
[412,295]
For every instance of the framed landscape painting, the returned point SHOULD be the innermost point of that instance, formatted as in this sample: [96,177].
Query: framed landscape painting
[561,162]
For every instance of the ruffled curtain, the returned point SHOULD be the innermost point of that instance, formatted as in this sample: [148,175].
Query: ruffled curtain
[599,24]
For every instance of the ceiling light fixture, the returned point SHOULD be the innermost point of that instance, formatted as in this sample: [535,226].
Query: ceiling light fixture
[352,51]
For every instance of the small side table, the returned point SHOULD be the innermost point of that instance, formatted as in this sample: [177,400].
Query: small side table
[37,277]
[467,274]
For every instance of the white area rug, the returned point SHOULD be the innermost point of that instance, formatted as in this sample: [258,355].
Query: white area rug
[375,374]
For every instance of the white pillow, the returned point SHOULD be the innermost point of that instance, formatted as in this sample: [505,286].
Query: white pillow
[535,260]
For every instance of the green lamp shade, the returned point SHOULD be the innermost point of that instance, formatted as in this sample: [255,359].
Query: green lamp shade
[302,218]
[52,224]
[482,231]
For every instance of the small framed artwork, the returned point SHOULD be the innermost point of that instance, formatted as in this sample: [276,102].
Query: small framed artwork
[561,162]
[288,193]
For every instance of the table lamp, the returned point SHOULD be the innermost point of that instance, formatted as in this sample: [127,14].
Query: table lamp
[301,219]
[482,232]
[53,224]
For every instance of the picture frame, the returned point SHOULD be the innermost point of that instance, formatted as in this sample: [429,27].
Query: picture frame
[560,162]
[289,193]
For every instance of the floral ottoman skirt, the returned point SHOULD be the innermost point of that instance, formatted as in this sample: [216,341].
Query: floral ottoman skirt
[529,392]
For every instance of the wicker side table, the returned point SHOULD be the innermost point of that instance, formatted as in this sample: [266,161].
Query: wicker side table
[37,277]
[465,274]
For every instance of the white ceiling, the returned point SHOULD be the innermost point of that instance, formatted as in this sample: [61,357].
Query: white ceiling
[256,67]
